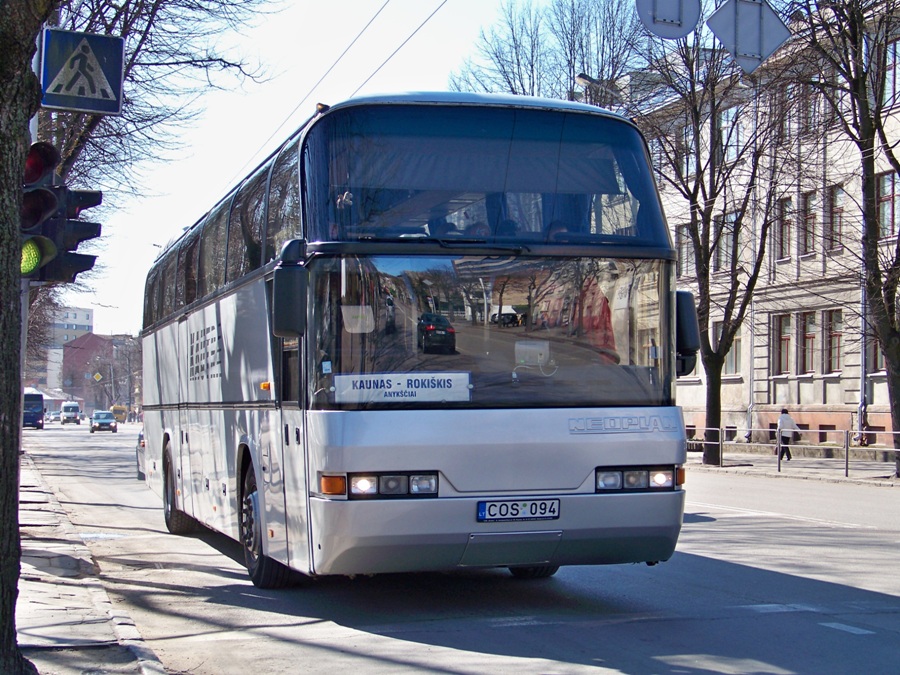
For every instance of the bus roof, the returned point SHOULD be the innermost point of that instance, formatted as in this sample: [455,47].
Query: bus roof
[474,99]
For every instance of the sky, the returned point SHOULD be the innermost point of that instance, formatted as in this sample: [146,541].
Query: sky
[238,128]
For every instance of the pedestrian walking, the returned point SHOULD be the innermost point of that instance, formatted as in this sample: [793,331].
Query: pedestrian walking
[787,427]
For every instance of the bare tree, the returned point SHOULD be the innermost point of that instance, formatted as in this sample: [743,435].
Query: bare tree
[513,55]
[172,54]
[852,48]
[599,38]
[539,51]
[722,172]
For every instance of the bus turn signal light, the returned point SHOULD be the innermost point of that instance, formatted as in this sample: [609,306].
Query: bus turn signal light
[333,485]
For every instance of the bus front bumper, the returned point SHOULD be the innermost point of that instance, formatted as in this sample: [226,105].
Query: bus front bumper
[405,535]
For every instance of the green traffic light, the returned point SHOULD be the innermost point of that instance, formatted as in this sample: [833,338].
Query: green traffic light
[31,256]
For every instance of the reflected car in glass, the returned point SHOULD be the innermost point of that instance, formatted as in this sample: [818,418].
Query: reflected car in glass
[103,420]
[435,332]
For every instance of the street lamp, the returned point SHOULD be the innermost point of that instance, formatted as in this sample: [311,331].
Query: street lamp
[597,92]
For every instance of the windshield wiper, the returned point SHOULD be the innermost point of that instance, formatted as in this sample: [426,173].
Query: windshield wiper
[456,243]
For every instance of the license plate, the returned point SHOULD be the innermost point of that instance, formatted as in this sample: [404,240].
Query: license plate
[440,332]
[520,509]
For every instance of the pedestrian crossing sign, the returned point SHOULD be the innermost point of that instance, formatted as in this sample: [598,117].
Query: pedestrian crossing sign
[82,72]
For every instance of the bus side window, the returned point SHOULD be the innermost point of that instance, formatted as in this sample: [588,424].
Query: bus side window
[211,272]
[166,297]
[186,288]
[284,202]
[245,227]
[151,298]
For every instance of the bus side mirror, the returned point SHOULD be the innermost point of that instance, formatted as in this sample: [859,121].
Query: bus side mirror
[687,333]
[289,287]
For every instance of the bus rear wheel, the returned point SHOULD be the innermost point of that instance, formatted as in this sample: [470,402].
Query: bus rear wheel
[264,572]
[177,521]
[535,572]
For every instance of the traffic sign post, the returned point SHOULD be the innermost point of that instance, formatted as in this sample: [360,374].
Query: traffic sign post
[82,72]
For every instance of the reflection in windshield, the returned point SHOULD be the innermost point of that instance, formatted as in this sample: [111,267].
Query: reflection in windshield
[476,331]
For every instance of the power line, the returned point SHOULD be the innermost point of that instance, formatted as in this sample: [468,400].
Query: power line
[240,171]
[332,67]
[394,53]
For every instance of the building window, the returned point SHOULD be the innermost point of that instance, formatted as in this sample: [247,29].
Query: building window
[725,242]
[731,133]
[891,78]
[807,342]
[877,362]
[732,364]
[809,204]
[785,100]
[834,222]
[685,246]
[688,155]
[886,187]
[834,329]
[808,117]
[65,338]
[784,211]
[782,343]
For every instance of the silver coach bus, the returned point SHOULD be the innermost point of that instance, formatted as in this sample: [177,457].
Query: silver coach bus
[430,332]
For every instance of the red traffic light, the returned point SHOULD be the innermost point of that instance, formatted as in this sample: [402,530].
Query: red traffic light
[37,205]
[40,163]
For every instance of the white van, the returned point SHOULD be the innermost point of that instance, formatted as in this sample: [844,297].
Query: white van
[70,412]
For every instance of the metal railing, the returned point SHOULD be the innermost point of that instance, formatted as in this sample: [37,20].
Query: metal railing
[822,444]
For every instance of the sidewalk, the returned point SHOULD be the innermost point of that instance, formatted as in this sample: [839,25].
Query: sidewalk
[65,621]
[861,472]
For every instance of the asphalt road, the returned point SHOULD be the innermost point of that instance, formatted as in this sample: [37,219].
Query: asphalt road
[771,576]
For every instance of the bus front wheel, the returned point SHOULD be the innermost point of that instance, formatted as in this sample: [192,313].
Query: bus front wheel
[535,572]
[264,572]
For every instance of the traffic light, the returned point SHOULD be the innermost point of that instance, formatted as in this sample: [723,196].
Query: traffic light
[67,232]
[39,204]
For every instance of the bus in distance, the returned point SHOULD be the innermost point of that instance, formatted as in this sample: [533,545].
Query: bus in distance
[33,410]
[330,390]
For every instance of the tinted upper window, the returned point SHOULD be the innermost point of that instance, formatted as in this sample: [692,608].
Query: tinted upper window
[479,172]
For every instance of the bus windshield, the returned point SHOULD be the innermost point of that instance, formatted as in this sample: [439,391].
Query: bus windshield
[479,173]
[487,332]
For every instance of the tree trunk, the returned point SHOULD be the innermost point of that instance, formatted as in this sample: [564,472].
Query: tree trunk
[712,447]
[20,22]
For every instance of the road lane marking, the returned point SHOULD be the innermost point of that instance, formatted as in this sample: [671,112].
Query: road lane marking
[783,516]
[848,629]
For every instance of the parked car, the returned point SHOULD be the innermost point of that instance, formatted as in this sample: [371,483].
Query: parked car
[434,330]
[103,420]
[139,455]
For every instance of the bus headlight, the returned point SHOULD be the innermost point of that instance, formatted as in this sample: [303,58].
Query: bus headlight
[392,485]
[662,478]
[423,484]
[363,485]
[609,480]
[637,478]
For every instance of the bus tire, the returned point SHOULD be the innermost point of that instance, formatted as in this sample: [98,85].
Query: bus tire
[177,521]
[534,572]
[264,572]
